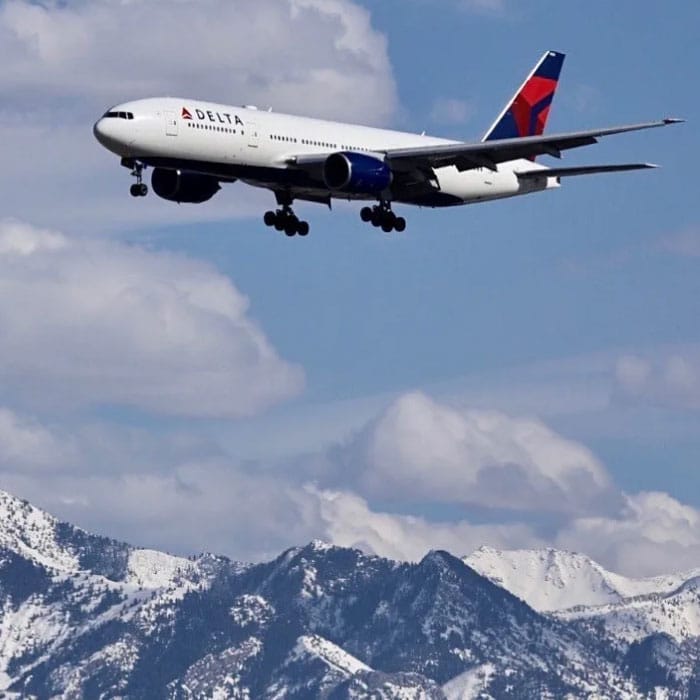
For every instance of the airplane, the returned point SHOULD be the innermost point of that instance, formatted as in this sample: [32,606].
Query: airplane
[194,147]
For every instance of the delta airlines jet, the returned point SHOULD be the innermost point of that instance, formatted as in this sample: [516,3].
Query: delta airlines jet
[195,146]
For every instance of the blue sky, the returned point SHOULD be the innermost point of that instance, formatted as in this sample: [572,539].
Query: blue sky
[575,311]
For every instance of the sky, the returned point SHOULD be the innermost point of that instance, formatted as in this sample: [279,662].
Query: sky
[524,373]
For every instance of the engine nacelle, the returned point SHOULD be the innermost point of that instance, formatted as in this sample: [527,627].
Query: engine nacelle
[356,173]
[183,186]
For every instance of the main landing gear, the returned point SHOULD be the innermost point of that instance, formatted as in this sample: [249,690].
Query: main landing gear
[284,219]
[382,217]
[139,188]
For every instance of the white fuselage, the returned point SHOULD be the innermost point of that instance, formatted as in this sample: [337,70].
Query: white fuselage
[258,147]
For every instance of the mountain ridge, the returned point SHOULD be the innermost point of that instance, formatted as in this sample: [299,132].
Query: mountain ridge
[82,615]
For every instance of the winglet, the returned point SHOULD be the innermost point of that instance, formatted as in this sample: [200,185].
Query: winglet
[526,114]
[673,120]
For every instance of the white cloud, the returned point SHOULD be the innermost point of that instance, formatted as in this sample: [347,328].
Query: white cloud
[347,520]
[181,494]
[65,63]
[197,506]
[653,534]
[670,380]
[419,449]
[25,443]
[319,56]
[88,322]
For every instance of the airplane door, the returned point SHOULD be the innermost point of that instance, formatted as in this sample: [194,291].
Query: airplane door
[171,124]
[252,134]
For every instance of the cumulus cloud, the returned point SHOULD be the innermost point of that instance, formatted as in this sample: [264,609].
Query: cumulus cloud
[346,519]
[318,56]
[671,380]
[419,449]
[197,506]
[26,444]
[65,63]
[653,534]
[184,495]
[182,492]
[95,323]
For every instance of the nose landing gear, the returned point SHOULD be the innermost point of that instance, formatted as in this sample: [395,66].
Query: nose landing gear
[382,217]
[139,188]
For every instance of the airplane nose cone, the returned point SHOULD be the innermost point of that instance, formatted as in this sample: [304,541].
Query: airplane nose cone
[114,135]
[100,131]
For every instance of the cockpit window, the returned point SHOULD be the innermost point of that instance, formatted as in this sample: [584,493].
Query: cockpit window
[118,115]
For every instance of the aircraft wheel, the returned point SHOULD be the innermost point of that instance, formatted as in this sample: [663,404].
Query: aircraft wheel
[292,226]
[303,228]
[134,191]
[387,225]
[400,224]
[143,189]
[366,214]
[270,218]
[376,218]
[280,221]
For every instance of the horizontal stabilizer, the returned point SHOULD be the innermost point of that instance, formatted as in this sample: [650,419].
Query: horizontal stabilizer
[583,170]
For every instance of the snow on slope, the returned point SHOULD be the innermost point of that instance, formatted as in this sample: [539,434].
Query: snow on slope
[470,684]
[151,569]
[676,614]
[32,533]
[550,580]
[331,654]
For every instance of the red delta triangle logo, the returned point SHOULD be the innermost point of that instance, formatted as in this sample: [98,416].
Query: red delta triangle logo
[186,114]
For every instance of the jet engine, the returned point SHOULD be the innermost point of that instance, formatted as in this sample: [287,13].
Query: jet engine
[183,186]
[356,173]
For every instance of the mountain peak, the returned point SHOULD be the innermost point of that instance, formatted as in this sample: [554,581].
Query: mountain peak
[32,533]
[88,615]
[552,580]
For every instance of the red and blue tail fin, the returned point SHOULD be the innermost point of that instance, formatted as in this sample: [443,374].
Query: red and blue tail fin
[526,114]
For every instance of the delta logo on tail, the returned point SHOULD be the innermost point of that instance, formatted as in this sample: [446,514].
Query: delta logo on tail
[526,114]
[186,114]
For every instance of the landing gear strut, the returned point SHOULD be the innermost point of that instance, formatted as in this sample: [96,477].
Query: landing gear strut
[284,219]
[139,188]
[382,217]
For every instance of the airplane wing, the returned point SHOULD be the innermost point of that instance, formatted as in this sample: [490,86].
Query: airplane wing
[582,170]
[487,154]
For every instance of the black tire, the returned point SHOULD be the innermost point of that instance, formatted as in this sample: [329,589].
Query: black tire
[280,221]
[270,218]
[376,218]
[303,228]
[134,191]
[400,224]
[292,226]
[366,214]
[387,225]
[143,189]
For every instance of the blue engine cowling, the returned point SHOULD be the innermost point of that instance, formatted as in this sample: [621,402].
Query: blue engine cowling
[356,173]
[183,186]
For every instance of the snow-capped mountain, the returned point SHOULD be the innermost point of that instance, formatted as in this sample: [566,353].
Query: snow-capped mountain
[83,616]
[551,580]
